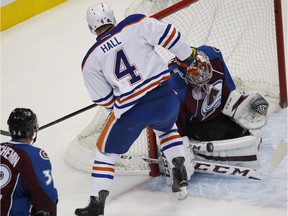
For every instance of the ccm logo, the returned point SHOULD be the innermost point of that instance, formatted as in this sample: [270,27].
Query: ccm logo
[222,169]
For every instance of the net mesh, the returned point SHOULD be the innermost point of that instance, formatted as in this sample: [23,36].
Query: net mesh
[80,152]
[243,30]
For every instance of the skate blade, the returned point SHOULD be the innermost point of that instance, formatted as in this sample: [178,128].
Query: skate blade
[182,193]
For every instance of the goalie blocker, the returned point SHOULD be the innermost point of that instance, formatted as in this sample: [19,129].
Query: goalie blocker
[240,152]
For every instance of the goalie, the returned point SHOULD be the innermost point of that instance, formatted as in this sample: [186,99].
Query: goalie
[221,124]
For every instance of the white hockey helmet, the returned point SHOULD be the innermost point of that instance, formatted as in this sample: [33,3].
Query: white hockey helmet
[99,15]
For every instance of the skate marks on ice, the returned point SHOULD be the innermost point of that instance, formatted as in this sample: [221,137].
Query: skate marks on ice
[155,200]
[269,192]
[217,195]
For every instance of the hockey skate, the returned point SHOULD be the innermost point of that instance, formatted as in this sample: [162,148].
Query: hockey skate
[180,182]
[95,207]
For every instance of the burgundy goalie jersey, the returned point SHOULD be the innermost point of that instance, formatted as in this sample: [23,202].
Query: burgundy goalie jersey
[203,104]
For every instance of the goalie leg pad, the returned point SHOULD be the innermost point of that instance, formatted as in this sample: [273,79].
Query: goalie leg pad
[239,151]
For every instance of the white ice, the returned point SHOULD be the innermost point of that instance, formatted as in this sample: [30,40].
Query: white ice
[40,69]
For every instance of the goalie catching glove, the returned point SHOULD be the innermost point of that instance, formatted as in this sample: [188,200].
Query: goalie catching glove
[249,111]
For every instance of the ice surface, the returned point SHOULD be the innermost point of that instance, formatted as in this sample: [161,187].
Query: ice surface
[40,69]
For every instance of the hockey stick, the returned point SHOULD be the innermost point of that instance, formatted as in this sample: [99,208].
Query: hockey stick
[250,173]
[235,171]
[6,133]
[211,168]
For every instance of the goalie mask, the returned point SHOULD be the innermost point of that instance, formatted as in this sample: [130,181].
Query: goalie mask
[23,123]
[99,15]
[200,72]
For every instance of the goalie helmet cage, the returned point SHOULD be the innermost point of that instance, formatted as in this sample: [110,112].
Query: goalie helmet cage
[250,37]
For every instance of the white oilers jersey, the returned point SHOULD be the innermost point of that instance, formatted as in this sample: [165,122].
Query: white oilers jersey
[122,66]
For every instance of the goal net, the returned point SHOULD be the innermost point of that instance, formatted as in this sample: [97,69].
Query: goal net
[79,153]
[245,32]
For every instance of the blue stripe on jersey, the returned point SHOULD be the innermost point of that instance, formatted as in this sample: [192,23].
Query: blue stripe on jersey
[175,41]
[127,104]
[105,98]
[165,34]
[171,145]
[143,83]
[102,176]
[130,20]
[134,18]
[168,132]
[156,93]
[101,162]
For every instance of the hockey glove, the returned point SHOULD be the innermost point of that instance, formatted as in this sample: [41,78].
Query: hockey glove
[183,66]
[249,111]
[173,66]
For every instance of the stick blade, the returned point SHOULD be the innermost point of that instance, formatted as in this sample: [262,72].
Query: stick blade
[276,158]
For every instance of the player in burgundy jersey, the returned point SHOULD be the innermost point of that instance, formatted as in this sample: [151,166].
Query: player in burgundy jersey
[27,186]
[207,93]
[213,112]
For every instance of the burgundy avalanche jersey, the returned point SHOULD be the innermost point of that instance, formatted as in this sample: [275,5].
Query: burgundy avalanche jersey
[25,180]
[203,105]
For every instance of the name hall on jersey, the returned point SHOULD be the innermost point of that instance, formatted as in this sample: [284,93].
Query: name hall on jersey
[110,44]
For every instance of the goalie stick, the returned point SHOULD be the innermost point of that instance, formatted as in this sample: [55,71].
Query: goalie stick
[6,133]
[229,170]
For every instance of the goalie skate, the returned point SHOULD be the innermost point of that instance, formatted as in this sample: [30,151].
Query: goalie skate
[180,182]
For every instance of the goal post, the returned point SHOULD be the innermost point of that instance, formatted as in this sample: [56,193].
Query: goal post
[281,54]
[171,9]
[249,34]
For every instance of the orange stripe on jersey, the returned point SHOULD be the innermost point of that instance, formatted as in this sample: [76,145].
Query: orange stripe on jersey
[104,133]
[108,103]
[170,38]
[142,90]
[104,169]
[169,138]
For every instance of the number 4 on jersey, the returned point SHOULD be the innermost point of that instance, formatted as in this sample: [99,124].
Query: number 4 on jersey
[123,68]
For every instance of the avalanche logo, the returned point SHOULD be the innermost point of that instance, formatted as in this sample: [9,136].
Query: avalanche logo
[43,155]
[212,99]
[5,175]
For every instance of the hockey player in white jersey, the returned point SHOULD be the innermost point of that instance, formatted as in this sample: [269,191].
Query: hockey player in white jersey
[123,72]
